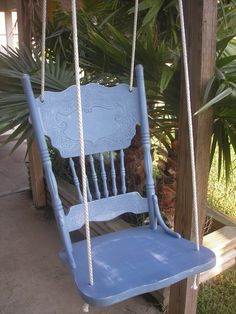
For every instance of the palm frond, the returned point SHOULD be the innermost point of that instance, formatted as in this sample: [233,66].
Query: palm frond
[13,108]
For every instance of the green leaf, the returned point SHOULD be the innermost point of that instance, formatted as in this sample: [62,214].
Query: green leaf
[166,76]
[21,128]
[215,100]
[223,43]
[153,12]
[223,61]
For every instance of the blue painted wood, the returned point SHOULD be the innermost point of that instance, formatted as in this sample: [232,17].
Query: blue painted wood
[136,261]
[94,176]
[89,194]
[112,112]
[161,221]
[113,173]
[130,262]
[47,165]
[104,175]
[76,180]
[122,171]
[106,209]
[150,189]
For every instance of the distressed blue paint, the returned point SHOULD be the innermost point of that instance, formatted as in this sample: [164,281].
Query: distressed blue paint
[47,165]
[94,176]
[75,179]
[150,190]
[109,114]
[90,198]
[160,219]
[104,175]
[122,171]
[106,209]
[136,261]
[113,173]
[130,262]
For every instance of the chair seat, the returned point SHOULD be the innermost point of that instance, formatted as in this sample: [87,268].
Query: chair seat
[136,261]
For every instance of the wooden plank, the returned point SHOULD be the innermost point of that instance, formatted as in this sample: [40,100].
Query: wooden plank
[67,191]
[37,177]
[223,243]
[24,18]
[219,218]
[200,17]
[20,24]
[224,262]
[222,240]
[9,29]
[7,5]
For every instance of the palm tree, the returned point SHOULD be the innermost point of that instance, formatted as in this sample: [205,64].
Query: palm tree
[105,47]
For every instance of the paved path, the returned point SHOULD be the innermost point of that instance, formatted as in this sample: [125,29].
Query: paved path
[13,173]
[32,278]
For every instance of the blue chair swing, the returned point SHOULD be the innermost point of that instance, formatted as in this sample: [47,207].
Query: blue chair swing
[125,263]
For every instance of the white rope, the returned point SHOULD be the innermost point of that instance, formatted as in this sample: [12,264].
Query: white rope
[190,124]
[81,140]
[85,308]
[44,19]
[195,283]
[131,81]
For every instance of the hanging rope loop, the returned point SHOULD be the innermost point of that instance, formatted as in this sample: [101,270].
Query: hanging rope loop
[195,283]
[190,124]
[131,80]
[81,140]
[44,21]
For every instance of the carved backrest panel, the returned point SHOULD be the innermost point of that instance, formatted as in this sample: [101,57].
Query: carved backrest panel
[110,115]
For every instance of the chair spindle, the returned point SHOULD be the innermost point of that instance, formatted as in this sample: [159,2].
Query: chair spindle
[113,173]
[94,176]
[104,176]
[76,180]
[122,171]
[90,198]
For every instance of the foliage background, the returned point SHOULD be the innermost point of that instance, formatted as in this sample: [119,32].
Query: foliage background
[105,31]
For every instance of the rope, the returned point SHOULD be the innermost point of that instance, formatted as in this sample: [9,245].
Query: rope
[131,81]
[81,140]
[44,19]
[190,124]
[85,308]
[195,283]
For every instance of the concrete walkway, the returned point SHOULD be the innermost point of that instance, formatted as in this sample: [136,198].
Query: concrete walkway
[32,278]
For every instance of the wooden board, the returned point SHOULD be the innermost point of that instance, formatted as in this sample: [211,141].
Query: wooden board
[222,263]
[223,243]
[7,5]
[200,22]
[222,240]
[37,177]
[220,219]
